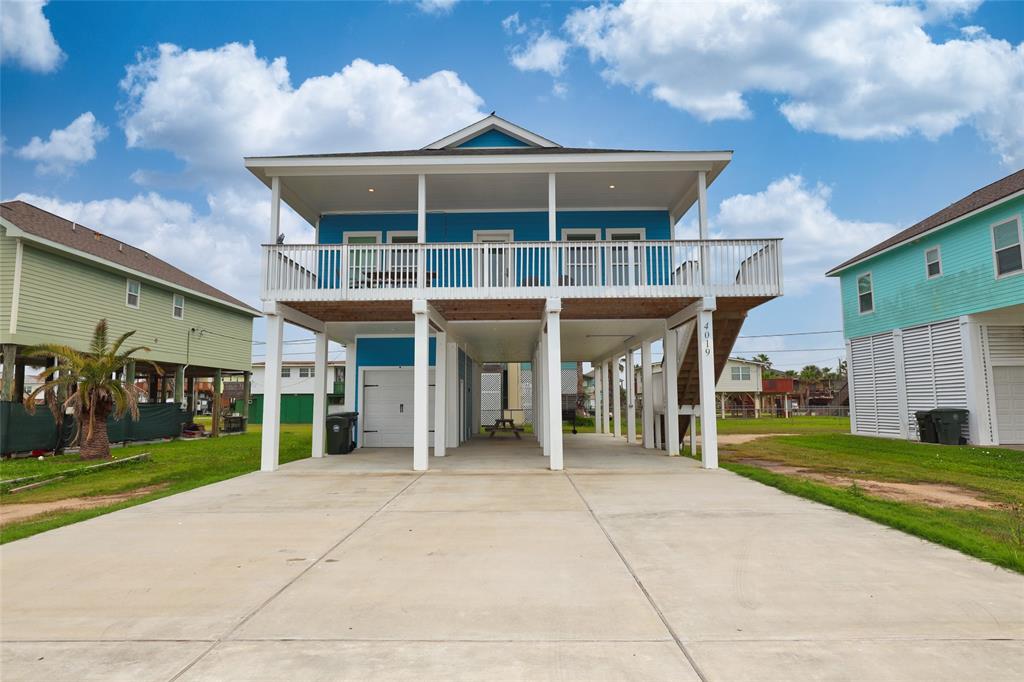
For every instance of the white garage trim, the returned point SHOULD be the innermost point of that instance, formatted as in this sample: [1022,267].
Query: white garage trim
[1009,398]
[364,403]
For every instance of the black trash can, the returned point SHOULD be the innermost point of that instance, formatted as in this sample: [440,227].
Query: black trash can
[926,427]
[949,423]
[341,433]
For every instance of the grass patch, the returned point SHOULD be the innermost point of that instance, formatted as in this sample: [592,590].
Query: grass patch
[994,535]
[784,425]
[175,465]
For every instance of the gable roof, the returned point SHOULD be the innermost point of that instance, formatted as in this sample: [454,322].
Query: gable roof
[45,226]
[486,125]
[975,201]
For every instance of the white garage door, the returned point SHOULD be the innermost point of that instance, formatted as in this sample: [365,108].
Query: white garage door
[386,408]
[1009,385]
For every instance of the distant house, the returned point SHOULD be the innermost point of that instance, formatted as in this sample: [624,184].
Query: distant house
[739,387]
[59,278]
[934,317]
[298,384]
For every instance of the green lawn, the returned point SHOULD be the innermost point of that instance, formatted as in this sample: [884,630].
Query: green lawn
[995,535]
[784,425]
[175,466]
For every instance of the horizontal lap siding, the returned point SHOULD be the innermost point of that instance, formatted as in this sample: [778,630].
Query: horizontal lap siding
[8,251]
[62,299]
[905,297]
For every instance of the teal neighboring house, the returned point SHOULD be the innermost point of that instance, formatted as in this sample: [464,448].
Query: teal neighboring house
[934,317]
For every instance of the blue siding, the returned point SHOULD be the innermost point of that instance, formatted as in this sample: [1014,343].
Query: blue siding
[905,297]
[390,351]
[459,227]
[493,138]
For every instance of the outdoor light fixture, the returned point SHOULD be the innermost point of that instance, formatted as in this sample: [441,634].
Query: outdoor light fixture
[611,186]
[370,189]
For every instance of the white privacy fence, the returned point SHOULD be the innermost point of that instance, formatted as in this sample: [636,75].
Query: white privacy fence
[330,272]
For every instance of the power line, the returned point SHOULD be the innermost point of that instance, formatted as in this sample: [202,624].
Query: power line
[788,350]
[768,336]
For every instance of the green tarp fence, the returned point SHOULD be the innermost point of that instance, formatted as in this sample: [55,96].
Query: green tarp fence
[24,432]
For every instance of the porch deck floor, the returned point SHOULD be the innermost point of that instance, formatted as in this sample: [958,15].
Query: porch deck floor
[584,452]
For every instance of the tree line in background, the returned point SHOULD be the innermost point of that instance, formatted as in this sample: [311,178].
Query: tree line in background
[808,373]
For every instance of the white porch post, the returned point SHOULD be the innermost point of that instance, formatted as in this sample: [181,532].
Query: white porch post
[606,399]
[552,229]
[319,393]
[350,377]
[452,434]
[554,381]
[538,391]
[616,399]
[658,442]
[648,388]
[630,399]
[598,398]
[670,372]
[440,393]
[545,440]
[693,432]
[702,221]
[706,369]
[421,208]
[272,395]
[421,386]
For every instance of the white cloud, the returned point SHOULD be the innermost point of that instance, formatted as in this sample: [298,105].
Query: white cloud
[66,147]
[815,239]
[543,52]
[513,25]
[560,90]
[854,70]
[25,36]
[212,107]
[436,6]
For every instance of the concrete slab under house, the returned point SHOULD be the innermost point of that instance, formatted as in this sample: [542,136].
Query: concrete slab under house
[497,245]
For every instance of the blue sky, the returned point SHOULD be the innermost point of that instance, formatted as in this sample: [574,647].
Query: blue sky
[158,162]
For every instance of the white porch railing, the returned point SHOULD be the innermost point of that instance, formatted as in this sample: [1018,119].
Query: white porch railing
[602,269]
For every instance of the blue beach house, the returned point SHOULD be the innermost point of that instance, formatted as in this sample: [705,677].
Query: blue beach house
[497,245]
[934,317]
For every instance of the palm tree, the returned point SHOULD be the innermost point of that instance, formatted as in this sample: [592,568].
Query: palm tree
[766,362]
[94,384]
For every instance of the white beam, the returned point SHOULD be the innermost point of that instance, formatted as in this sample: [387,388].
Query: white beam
[554,393]
[616,399]
[706,369]
[598,398]
[648,388]
[702,203]
[421,208]
[269,451]
[295,317]
[690,311]
[440,393]
[319,393]
[630,398]
[421,386]
[670,372]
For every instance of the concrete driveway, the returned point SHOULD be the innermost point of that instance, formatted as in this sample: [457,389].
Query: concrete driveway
[626,566]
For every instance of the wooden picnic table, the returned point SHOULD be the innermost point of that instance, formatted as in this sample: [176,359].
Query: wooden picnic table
[504,425]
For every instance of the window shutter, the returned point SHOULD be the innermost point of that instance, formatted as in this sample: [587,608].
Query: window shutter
[933,360]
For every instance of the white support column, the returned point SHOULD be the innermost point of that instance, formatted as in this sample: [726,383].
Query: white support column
[421,208]
[706,370]
[552,229]
[658,442]
[421,386]
[616,399]
[272,395]
[552,314]
[542,393]
[630,399]
[648,388]
[606,399]
[319,392]
[350,377]
[451,410]
[693,432]
[440,393]
[598,398]
[669,370]
[275,209]
[702,203]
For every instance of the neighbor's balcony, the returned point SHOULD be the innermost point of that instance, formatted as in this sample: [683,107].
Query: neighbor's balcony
[623,269]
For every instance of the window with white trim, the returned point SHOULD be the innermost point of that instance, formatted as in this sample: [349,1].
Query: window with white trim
[286,372]
[1007,248]
[133,293]
[740,373]
[865,293]
[306,372]
[933,262]
[178,307]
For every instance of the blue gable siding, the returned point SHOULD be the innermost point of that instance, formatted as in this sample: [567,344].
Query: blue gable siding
[493,138]
[459,227]
[389,351]
[903,294]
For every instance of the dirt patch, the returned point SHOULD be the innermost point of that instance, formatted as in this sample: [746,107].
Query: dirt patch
[12,513]
[932,494]
[741,438]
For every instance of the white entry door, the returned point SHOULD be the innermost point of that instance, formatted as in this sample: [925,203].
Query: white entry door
[386,408]
[1009,386]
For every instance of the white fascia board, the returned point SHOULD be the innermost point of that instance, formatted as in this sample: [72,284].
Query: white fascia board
[910,240]
[14,231]
[492,122]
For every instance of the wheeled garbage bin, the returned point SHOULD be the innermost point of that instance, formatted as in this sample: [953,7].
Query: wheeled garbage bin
[949,423]
[926,427]
[341,433]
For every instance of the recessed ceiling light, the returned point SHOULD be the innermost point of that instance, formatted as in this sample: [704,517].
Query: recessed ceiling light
[370,189]
[611,186]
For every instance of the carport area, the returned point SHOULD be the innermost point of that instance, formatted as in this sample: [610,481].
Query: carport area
[626,565]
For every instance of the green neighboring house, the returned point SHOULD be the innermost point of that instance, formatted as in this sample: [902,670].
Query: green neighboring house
[59,278]
[934,317]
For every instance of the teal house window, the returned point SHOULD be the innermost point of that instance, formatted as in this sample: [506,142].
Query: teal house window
[865,293]
[1006,242]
